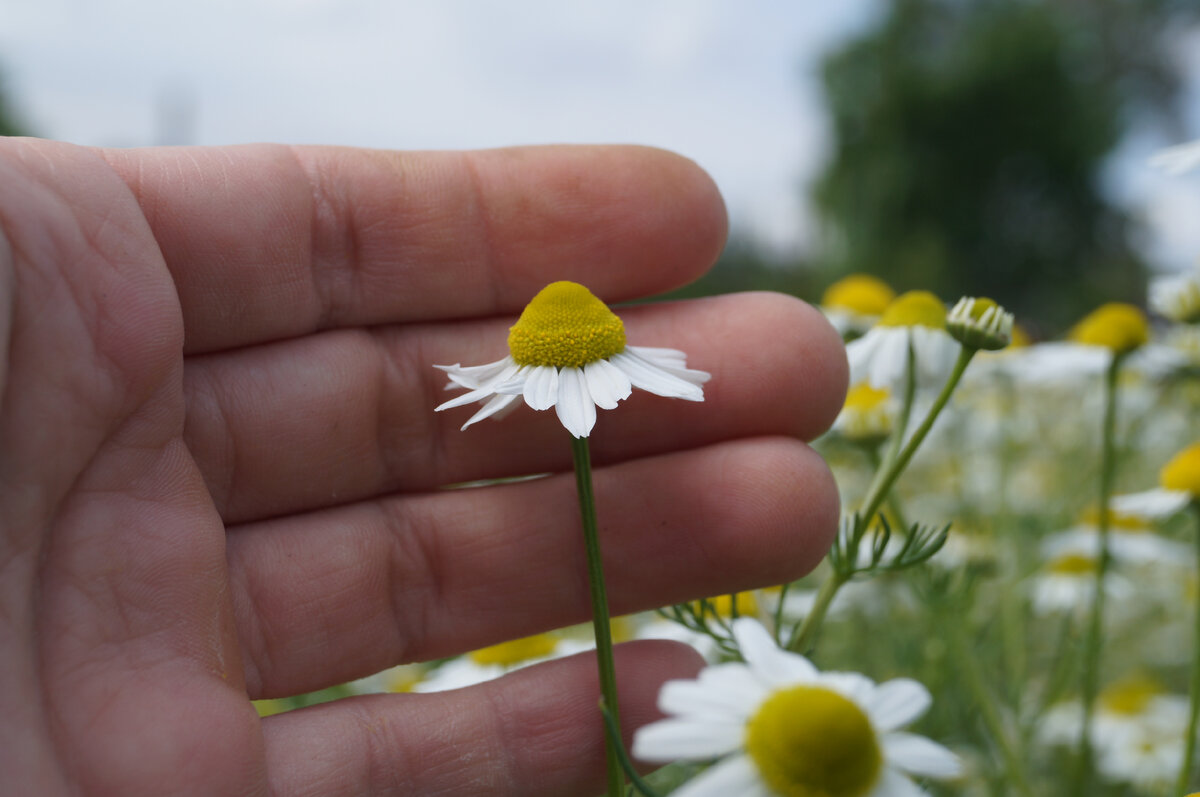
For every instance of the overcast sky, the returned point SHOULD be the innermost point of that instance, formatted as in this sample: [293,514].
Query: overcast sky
[729,84]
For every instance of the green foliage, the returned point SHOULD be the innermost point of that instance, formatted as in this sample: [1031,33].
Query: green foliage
[969,136]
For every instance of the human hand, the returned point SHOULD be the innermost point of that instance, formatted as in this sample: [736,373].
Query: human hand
[219,461]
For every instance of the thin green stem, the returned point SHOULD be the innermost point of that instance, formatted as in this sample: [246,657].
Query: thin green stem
[894,465]
[600,616]
[1189,745]
[1093,640]
[614,733]
[880,489]
[985,703]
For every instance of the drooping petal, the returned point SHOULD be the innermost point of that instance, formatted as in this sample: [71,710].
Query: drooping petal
[496,406]
[606,383]
[672,361]
[920,756]
[694,739]
[734,777]
[574,406]
[473,376]
[896,703]
[541,387]
[655,380]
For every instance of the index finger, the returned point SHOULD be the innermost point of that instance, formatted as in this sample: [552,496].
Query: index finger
[267,242]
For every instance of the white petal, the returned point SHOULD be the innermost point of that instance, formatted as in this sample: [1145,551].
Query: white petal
[672,361]
[473,376]
[1156,503]
[654,379]
[774,666]
[853,685]
[894,784]
[496,406]
[896,703]
[734,777]
[541,387]
[606,383]
[730,693]
[693,739]
[469,397]
[574,405]
[920,756]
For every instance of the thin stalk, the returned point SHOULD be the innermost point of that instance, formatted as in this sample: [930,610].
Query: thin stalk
[968,667]
[600,616]
[614,732]
[881,486]
[1189,745]
[1093,639]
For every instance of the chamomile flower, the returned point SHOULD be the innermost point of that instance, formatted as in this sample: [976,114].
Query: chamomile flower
[868,416]
[784,728]
[916,319]
[491,662]
[1179,485]
[1067,583]
[1131,539]
[568,351]
[854,303]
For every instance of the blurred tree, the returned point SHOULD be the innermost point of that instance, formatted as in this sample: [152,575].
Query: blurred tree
[745,265]
[969,138]
[9,124]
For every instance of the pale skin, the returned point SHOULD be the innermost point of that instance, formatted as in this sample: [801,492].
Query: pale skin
[220,465]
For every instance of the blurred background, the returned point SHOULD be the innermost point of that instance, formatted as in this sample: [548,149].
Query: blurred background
[991,147]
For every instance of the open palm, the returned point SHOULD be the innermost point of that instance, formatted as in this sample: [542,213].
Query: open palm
[220,472]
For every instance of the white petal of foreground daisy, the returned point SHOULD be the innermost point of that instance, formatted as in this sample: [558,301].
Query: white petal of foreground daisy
[568,351]
[786,729]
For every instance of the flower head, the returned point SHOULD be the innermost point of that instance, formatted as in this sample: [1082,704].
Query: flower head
[568,351]
[868,415]
[854,303]
[980,323]
[787,729]
[916,319]
[1177,298]
[1179,485]
[1116,326]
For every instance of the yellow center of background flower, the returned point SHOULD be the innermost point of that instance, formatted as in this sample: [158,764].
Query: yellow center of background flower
[723,605]
[1129,696]
[913,309]
[858,293]
[516,651]
[1117,326]
[808,741]
[864,398]
[567,327]
[1073,564]
[1183,471]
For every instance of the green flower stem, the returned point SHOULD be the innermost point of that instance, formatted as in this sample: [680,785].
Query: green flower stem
[600,617]
[880,489]
[902,419]
[1189,745]
[968,668]
[878,492]
[1095,627]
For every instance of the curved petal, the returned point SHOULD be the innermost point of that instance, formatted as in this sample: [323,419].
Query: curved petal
[734,777]
[497,406]
[606,383]
[919,755]
[693,739]
[654,379]
[541,387]
[896,703]
[574,406]
[473,376]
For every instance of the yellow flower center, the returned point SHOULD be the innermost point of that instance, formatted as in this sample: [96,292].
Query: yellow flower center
[864,398]
[1183,471]
[915,308]
[1117,326]
[1073,564]
[1118,521]
[809,741]
[516,651]
[858,293]
[1020,338]
[1129,696]
[723,605]
[567,327]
